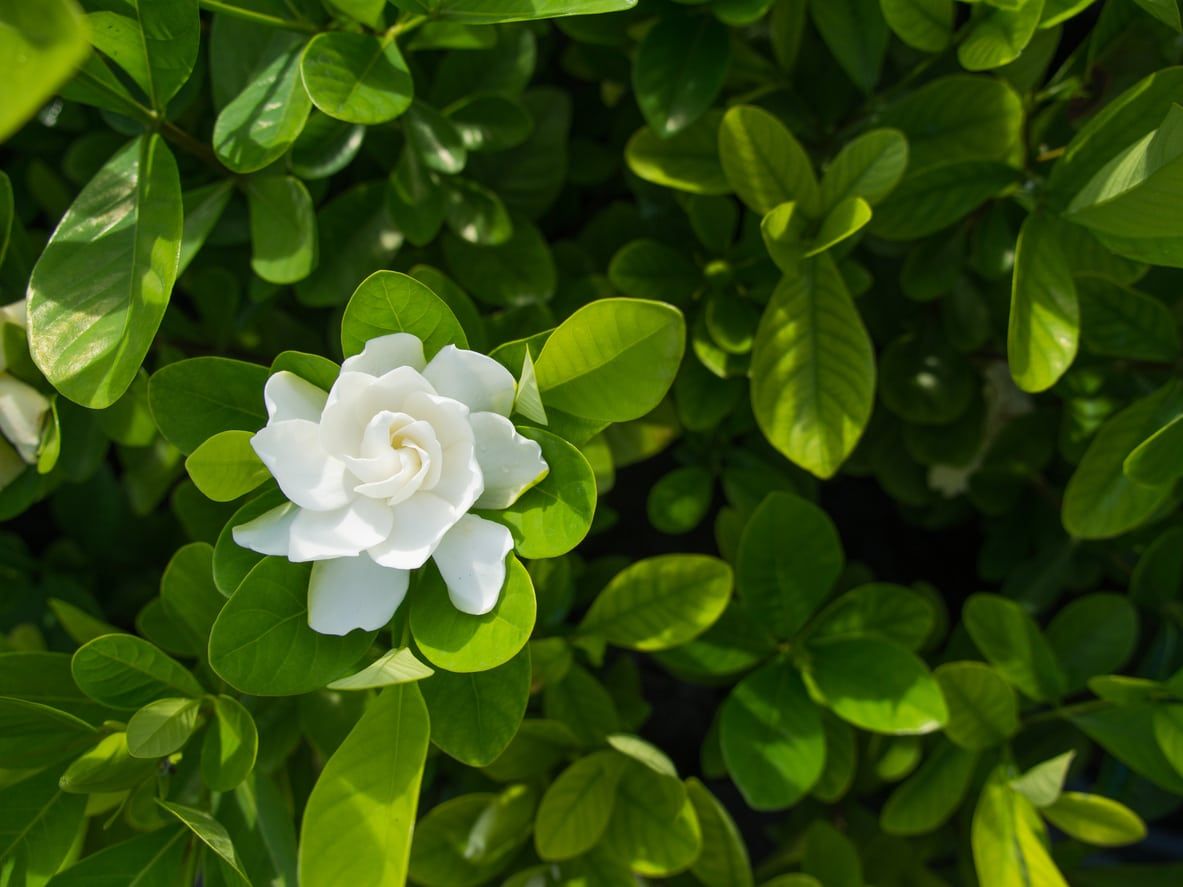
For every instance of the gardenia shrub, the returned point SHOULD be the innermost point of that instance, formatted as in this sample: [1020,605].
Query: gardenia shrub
[591,443]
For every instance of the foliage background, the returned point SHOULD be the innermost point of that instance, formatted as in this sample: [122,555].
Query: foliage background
[882,584]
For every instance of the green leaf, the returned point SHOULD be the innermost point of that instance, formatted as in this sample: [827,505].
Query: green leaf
[1009,841]
[1117,321]
[932,199]
[789,558]
[162,727]
[926,25]
[88,332]
[259,125]
[385,752]
[1095,820]
[203,207]
[155,858]
[518,271]
[469,839]
[879,609]
[1166,11]
[476,214]
[772,738]
[392,302]
[724,860]
[488,12]
[983,710]
[654,840]
[155,43]
[612,360]
[1044,326]
[1100,501]
[230,746]
[213,835]
[124,671]
[1109,621]
[554,515]
[680,500]
[261,643]
[869,167]
[225,466]
[398,666]
[577,806]
[33,735]
[999,35]
[462,642]
[107,767]
[856,34]
[1156,460]
[39,825]
[764,163]
[876,685]
[194,399]
[660,602]
[231,562]
[284,246]
[687,161]
[1043,783]
[41,45]
[678,71]
[1010,639]
[843,221]
[813,370]
[474,716]
[648,269]
[932,794]
[37,676]
[1134,733]
[358,78]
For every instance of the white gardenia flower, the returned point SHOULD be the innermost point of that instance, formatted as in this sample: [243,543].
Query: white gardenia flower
[22,407]
[381,473]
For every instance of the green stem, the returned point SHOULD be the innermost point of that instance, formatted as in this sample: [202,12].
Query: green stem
[405,25]
[259,18]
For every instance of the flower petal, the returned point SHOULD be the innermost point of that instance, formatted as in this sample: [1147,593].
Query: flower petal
[459,480]
[510,463]
[308,475]
[353,592]
[270,532]
[22,410]
[419,524]
[357,398]
[344,532]
[289,397]
[471,558]
[471,378]
[385,353]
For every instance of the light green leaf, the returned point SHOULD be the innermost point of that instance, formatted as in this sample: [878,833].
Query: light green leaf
[358,78]
[926,25]
[772,739]
[261,643]
[813,370]
[124,671]
[655,841]
[688,161]
[869,167]
[1044,326]
[487,12]
[932,794]
[33,735]
[1095,820]
[230,745]
[764,163]
[467,840]
[41,44]
[284,245]
[678,71]
[213,835]
[399,666]
[999,35]
[474,716]
[1009,841]
[876,685]
[1043,783]
[879,609]
[577,806]
[162,727]
[1010,639]
[225,466]
[392,302]
[612,360]
[724,860]
[385,752]
[845,220]
[232,563]
[155,43]
[660,602]
[155,858]
[462,642]
[88,332]
[983,710]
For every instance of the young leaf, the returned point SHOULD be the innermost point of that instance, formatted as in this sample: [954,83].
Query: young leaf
[1043,783]
[162,727]
[764,163]
[225,467]
[1009,841]
[1044,312]
[393,302]
[393,667]
[1095,820]
[154,43]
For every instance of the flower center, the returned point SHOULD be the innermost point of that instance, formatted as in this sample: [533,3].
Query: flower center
[399,456]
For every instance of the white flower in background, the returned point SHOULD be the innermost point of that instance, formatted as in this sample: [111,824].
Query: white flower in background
[381,473]
[22,408]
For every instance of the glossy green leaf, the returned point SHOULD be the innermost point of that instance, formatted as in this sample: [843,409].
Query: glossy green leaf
[468,839]
[1096,820]
[869,167]
[764,163]
[856,33]
[1157,460]
[724,860]
[1044,327]
[194,399]
[487,12]
[124,671]
[678,71]
[393,302]
[687,161]
[284,245]
[653,838]
[230,746]
[225,466]
[89,332]
[517,271]
[934,198]
[358,78]
[879,609]
[39,825]
[1008,637]
[155,858]
[1109,621]
[983,710]
[926,25]
[999,35]
[154,43]
[42,44]
[931,795]
[1043,783]
[393,667]
[648,269]
[577,806]
[385,752]
[33,735]
[162,727]
[212,834]
[1008,839]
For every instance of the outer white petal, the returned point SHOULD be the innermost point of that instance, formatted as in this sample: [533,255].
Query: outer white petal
[269,532]
[357,398]
[471,558]
[289,397]
[12,465]
[510,463]
[22,411]
[344,532]
[419,524]
[473,379]
[353,592]
[385,353]
[308,475]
